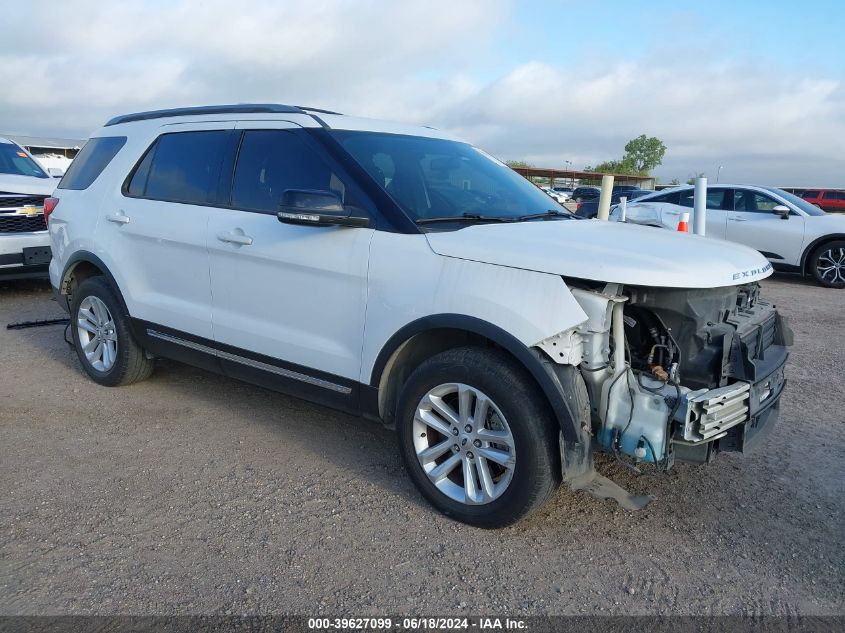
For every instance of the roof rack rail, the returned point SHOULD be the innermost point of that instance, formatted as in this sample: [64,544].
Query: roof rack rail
[320,110]
[240,108]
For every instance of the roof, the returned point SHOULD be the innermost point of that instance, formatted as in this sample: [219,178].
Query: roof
[303,115]
[44,142]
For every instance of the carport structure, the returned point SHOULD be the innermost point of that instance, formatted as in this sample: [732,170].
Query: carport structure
[569,176]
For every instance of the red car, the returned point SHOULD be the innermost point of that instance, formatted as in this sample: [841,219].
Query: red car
[827,199]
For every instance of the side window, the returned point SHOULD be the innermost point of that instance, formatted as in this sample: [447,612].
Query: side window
[745,200]
[179,167]
[686,198]
[716,198]
[764,203]
[90,162]
[139,180]
[672,197]
[273,161]
[810,194]
[835,195]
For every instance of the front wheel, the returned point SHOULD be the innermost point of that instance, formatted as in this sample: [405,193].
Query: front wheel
[477,437]
[827,264]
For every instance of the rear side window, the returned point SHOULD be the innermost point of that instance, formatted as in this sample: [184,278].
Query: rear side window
[272,161]
[179,167]
[672,197]
[811,194]
[835,195]
[90,162]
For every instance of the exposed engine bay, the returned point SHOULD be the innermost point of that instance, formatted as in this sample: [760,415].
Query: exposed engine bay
[677,374]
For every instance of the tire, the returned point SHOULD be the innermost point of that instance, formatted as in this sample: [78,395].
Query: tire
[827,264]
[99,322]
[518,446]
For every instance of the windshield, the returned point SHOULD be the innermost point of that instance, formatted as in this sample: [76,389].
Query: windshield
[435,178]
[13,160]
[806,207]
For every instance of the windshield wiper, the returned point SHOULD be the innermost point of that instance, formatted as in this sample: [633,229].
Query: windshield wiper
[546,215]
[466,217]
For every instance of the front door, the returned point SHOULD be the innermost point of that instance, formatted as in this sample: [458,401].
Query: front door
[753,223]
[288,301]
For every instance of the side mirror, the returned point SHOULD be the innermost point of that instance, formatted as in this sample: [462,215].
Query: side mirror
[316,208]
[782,211]
[55,172]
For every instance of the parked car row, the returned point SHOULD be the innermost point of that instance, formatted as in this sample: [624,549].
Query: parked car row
[792,233]
[589,208]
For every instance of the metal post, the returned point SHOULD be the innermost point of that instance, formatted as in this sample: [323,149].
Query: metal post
[623,209]
[699,219]
[604,198]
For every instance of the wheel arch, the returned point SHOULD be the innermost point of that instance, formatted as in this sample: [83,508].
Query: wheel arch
[83,265]
[819,241]
[427,336]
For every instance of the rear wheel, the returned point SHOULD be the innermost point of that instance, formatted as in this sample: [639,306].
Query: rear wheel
[104,343]
[477,438]
[827,264]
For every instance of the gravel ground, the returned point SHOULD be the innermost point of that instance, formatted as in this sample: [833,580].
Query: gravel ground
[193,493]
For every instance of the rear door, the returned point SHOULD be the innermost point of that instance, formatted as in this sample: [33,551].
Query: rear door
[753,223]
[288,300]
[156,227]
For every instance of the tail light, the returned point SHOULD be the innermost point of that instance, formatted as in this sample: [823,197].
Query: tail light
[577,206]
[49,206]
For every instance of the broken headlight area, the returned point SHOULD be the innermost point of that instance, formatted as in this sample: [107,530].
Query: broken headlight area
[681,374]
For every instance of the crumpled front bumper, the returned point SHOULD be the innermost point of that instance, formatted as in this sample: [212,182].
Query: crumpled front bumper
[738,416]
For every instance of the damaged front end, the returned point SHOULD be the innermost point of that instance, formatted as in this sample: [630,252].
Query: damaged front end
[673,375]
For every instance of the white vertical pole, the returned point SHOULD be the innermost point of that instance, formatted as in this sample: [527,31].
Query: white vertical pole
[699,220]
[623,208]
[604,198]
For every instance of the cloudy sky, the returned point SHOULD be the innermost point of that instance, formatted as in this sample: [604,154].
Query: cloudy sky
[756,87]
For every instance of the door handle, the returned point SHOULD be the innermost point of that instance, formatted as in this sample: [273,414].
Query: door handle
[118,218]
[235,238]
[738,220]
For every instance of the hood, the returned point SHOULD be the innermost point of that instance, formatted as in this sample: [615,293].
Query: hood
[830,221]
[10,183]
[606,251]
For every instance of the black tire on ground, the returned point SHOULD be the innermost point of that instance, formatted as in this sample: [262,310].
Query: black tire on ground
[826,255]
[131,363]
[536,473]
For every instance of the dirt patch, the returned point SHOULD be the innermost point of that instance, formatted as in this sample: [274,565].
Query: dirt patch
[193,493]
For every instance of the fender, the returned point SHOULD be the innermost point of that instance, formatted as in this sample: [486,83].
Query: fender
[819,240]
[86,256]
[540,367]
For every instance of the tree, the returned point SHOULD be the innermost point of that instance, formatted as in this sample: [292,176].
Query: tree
[691,179]
[615,167]
[644,153]
[517,163]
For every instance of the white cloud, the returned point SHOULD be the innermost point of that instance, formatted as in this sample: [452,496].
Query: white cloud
[420,61]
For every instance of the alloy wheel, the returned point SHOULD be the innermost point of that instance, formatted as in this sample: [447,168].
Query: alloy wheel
[830,265]
[464,443]
[97,334]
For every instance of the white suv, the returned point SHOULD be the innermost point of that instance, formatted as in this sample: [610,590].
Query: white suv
[24,185]
[398,273]
[793,234]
